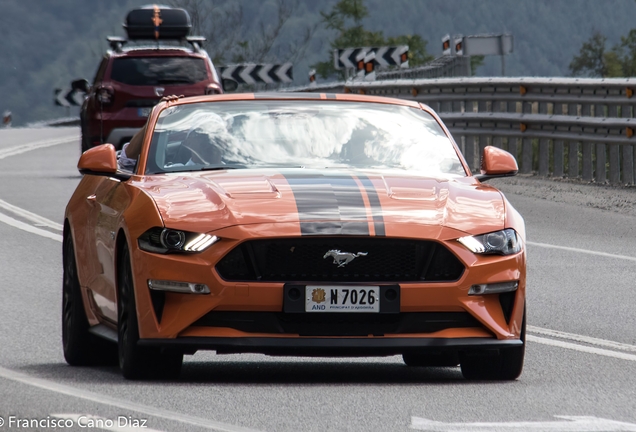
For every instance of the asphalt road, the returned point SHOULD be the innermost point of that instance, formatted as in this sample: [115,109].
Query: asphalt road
[580,360]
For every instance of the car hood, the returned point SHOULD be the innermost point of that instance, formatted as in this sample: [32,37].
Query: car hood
[323,202]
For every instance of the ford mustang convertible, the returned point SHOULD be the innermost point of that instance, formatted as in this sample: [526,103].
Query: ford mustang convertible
[294,224]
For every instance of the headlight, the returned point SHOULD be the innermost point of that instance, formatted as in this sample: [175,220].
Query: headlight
[504,242]
[166,240]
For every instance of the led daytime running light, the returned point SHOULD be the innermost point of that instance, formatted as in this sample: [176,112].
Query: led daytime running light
[200,243]
[472,244]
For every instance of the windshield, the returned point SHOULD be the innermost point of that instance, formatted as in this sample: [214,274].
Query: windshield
[293,133]
[158,70]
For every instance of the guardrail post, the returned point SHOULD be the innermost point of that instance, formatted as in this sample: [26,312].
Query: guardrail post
[601,175]
[628,164]
[544,147]
[558,159]
[588,169]
[588,175]
[614,154]
[634,162]
[470,151]
[614,161]
[526,149]
[573,147]
[573,159]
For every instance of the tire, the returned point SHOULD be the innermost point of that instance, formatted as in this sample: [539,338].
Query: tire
[85,145]
[138,362]
[443,359]
[80,347]
[506,365]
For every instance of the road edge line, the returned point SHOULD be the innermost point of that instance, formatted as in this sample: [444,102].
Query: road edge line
[119,403]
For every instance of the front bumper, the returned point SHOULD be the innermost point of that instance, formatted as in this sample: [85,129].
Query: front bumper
[180,314]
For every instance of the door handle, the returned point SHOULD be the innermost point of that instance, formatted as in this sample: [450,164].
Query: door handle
[92,199]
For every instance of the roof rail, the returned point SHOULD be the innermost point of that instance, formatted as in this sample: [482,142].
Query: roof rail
[116,42]
[196,42]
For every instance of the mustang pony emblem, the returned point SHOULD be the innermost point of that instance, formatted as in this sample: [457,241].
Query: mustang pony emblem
[343,258]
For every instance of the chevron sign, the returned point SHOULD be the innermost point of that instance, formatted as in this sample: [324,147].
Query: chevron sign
[392,56]
[68,97]
[258,73]
[350,58]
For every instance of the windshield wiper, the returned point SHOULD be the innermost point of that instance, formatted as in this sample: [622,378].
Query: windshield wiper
[219,167]
[173,81]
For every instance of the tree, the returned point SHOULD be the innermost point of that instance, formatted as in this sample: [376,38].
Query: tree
[626,54]
[475,62]
[345,17]
[222,23]
[594,60]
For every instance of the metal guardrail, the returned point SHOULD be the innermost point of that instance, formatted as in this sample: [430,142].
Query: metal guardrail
[562,127]
[444,66]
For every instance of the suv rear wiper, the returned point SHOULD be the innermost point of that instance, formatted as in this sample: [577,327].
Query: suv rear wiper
[173,81]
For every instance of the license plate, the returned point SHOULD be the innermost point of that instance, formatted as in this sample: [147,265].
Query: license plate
[343,298]
[143,112]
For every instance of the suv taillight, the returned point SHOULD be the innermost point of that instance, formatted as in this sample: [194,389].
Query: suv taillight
[104,95]
[213,89]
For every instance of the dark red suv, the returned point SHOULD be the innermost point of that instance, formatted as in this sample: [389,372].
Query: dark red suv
[154,61]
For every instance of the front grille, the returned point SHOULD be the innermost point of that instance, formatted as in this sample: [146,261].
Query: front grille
[303,260]
[338,324]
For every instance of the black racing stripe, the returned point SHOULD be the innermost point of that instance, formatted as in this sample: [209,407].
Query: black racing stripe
[329,205]
[376,208]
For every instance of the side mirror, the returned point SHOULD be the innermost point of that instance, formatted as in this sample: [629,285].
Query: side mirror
[229,85]
[496,162]
[101,160]
[81,85]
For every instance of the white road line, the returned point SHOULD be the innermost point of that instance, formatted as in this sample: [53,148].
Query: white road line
[29,228]
[120,403]
[36,219]
[580,338]
[585,251]
[571,424]
[92,422]
[12,151]
[581,348]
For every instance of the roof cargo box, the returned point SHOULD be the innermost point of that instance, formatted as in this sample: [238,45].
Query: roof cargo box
[157,22]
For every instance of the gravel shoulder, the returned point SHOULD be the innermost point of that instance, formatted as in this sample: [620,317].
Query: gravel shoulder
[616,198]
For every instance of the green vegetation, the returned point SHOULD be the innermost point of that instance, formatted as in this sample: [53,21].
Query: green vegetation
[47,44]
[346,18]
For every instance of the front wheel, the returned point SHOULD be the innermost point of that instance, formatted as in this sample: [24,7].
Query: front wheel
[80,347]
[138,362]
[506,365]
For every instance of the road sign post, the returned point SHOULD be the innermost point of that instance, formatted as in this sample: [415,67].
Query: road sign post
[446,47]
[6,119]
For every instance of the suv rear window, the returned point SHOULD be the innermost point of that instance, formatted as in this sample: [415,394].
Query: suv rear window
[158,70]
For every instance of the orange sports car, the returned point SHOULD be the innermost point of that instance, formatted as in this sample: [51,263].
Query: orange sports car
[294,224]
